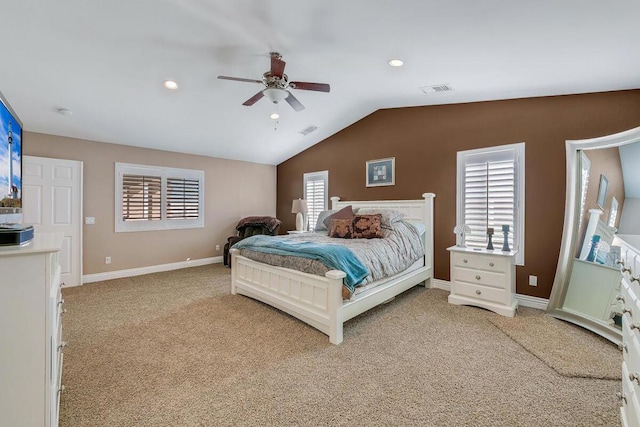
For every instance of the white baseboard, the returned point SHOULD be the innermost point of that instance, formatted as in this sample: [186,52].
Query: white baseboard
[523,300]
[118,274]
[441,284]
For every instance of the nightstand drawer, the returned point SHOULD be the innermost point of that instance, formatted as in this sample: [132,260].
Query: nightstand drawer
[480,292]
[481,262]
[487,278]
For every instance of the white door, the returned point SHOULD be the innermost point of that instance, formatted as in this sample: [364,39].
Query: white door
[52,202]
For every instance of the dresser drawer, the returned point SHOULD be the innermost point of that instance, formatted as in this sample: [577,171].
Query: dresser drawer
[481,262]
[479,292]
[630,404]
[486,278]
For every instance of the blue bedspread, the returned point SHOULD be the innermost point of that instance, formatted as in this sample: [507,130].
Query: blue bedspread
[333,256]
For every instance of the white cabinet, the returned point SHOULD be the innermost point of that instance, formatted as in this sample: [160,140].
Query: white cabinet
[484,279]
[592,291]
[31,332]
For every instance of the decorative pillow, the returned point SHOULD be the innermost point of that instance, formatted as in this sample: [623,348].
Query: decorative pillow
[388,216]
[344,213]
[321,217]
[342,228]
[367,226]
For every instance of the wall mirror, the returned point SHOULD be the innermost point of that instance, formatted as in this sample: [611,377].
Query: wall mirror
[594,251]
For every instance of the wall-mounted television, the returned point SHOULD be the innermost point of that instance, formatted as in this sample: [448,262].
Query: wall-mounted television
[10,159]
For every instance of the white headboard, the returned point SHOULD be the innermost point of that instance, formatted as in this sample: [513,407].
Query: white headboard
[414,210]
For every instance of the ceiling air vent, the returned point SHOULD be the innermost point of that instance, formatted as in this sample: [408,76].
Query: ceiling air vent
[436,89]
[308,130]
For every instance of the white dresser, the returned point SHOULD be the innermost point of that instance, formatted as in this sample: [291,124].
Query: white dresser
[630,394]
[484,279]
[31,333]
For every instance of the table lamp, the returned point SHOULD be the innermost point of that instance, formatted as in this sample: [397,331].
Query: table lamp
[299,207]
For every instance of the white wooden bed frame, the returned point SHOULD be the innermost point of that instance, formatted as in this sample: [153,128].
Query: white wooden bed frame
[317,300]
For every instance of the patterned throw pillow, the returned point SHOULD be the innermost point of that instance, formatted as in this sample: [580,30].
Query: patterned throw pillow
[389,216]
[367,226]
[344,213]
[342,228]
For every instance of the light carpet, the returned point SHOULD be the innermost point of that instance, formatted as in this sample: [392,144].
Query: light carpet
[556,343]
[176,349]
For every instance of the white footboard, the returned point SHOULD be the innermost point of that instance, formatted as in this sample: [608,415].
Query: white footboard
[315,300]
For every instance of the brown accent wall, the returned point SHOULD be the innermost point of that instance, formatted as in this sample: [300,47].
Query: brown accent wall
[425,140]
[233,190]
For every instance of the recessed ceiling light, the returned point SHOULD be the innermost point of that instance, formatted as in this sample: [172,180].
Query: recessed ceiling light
[275,116]
[170,84]
[396,62]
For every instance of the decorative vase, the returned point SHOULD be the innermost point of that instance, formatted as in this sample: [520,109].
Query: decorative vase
[505,245]
[593,250]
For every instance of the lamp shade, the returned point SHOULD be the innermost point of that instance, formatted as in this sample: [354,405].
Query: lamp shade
[299,206]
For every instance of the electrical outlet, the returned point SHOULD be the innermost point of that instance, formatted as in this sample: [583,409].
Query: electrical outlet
[533,280]
[107,260]
[217,247]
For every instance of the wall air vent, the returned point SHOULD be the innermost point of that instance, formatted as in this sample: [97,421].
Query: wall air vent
[442,88]
[308,130]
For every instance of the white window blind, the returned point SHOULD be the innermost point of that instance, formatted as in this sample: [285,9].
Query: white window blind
[316,185]
[490,195]
[141,198]
[158,198]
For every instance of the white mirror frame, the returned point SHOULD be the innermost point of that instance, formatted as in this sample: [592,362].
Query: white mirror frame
[570,232]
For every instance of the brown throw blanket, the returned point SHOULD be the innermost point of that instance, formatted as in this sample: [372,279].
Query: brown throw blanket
[269,222]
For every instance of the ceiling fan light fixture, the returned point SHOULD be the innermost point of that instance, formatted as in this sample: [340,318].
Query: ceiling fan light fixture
[275,95]
[170,84]
[274,116]
[396,62]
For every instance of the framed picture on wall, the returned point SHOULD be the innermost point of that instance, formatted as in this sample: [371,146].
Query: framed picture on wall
[613,212]
[381,172]
[602,191]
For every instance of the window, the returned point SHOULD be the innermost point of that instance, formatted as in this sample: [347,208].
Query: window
[491,194]
[316,186]
[158,198]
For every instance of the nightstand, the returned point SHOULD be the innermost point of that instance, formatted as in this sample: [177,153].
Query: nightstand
[298,232]
[484,279]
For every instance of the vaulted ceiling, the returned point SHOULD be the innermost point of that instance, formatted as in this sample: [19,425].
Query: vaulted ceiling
[105,61]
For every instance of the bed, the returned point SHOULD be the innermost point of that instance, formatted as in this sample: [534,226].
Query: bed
[318,300]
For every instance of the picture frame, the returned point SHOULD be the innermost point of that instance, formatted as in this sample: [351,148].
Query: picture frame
[381,172]
[602,191]
[613,212]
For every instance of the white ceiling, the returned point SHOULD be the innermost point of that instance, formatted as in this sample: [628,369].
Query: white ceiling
[105,60]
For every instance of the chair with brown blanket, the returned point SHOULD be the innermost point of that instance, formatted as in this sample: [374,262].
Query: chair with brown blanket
[248,227]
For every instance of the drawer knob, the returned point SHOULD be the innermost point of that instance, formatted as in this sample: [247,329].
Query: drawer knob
[625,269]
[626,310]
[620,298]
[62,345]
[635,326]
[477,277]
[635,376]
[478,291]
[635,279]
[465,261]
[622,397]
[491,264]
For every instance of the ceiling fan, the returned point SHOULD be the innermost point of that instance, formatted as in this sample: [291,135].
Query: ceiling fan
[277,85]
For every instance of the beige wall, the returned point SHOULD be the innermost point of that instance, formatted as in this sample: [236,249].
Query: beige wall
[233,190]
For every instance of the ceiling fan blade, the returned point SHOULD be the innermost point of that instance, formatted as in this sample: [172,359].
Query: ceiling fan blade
[255,98]
[319,87]
[239,79]
[293,101]
[277,66]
